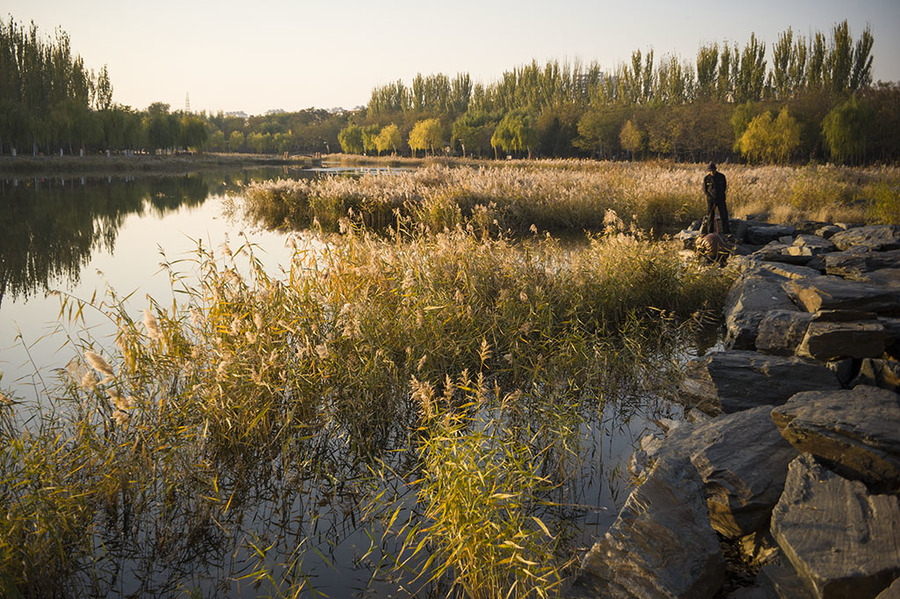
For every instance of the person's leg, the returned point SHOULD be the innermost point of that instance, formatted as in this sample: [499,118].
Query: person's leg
[710,217]
[723,212]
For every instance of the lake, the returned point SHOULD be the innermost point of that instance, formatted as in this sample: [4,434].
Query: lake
[79,237]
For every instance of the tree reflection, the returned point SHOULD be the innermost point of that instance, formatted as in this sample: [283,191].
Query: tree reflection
[52,226]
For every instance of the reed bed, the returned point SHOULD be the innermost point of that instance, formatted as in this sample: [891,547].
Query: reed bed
[573,196]
[245,422]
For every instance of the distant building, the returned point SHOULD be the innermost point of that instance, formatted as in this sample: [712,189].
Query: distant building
[239,114]
[274,111]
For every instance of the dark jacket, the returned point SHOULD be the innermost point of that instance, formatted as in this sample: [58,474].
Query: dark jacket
[714,186]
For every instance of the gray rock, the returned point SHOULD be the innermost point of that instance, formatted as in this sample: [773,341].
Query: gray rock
[688,238]
[892,592]
[856,430]
[857,261]
[660,546]
[790,271]
[828,230]
[841,540]
[737,380]
[779,576]
[756,292]
[843,316]
[843,370]
[743,460]
[781,251]
[875,237]
[879,373]
[886,277]
[811,245]
[825,340]
[835,293]
[782,331]
[766,233]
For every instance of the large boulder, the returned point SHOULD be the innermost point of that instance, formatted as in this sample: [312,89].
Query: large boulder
[737,380]
[879,373]
[660,546]
[874,237]
[782,331]
[755,293]
[810,245]
[742,460]
[761,234]
[827,341]
[835,293]
[790,271]
[843,541]
[856,430]
[892,592]
[855,262]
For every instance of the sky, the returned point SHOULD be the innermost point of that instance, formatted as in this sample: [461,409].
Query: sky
[259,55]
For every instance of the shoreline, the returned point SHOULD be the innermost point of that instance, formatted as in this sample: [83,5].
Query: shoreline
[143,164]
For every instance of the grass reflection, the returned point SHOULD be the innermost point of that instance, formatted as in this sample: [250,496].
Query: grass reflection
[412,405]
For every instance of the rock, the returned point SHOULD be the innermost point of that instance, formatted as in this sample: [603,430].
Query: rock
[742,459]
[790,271]
[781,251]
[841,540]
[891,327]
[828,230]
[843,316]
[811,245]
[874,237]
[843,370]
[826,340]
[835,293]
[688,238]
[886,277]
[856,430]
[855,262]
[779,575]
[782,331]
[755,293]
[660,546]
[761,234]
[892,592]
[737,380]
[879,373]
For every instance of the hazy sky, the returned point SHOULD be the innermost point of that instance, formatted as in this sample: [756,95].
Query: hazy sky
[264,54]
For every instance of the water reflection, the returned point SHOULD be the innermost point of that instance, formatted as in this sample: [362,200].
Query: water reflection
[260,523]
[52,226]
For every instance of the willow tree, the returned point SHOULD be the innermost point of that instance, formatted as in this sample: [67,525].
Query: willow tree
[426,134]
[847,129]
[771,140]
[388,139]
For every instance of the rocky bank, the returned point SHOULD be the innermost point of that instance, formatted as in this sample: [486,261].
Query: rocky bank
[784,480]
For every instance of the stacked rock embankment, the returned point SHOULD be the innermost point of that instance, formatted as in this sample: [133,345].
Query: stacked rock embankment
[789,459]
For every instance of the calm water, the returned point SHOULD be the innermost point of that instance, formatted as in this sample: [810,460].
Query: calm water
[82,236]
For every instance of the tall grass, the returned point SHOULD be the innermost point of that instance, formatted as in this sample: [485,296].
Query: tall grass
[573,196]
[205,421]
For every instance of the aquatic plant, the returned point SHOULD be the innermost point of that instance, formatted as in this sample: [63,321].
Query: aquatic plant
[245,421]
[571,196]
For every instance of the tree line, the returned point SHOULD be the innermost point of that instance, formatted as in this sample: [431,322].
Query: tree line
[51,103]
[813,100]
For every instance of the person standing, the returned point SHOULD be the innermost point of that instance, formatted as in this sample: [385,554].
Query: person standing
[714,186]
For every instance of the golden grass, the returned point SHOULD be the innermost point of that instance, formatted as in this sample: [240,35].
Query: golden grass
[255,386]
[574,196]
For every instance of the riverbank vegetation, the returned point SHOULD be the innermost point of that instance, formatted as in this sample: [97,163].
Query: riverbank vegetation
[573,196]
[797,100]
[160,461]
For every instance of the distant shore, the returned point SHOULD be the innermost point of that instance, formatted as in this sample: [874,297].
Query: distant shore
[141,163]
